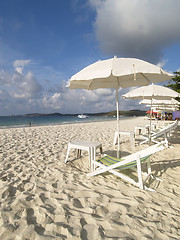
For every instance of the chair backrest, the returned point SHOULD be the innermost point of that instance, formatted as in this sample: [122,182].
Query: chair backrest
[147,151]
[131,160]
[164,130]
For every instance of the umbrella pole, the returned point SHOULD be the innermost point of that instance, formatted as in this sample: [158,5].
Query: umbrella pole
[150,123]
[117,106]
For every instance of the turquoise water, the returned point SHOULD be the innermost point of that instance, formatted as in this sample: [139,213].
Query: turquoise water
[25,121]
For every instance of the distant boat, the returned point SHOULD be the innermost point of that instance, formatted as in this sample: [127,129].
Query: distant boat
[82,116]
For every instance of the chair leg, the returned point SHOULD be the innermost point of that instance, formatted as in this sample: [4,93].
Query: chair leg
[140,180]
[91,158]
[166,140]
[78,153]
[94,159]
[67,155]
[132,137]
[150,172]
[115,138]
[148,166]
[101,151]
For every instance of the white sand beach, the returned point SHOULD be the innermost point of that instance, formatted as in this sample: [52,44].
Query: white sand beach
[41,197]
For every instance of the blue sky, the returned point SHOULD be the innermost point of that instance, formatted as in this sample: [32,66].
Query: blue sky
[44,42]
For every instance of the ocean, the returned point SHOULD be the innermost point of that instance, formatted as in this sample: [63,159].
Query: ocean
[26,121]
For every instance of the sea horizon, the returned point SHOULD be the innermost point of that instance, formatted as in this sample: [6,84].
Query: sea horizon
[42,119]
[46,120]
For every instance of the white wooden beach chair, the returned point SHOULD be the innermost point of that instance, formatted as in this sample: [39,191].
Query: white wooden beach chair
[164,133]
[133,161]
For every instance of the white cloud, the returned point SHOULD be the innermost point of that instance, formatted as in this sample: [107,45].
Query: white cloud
[23,93]
[18,91]
[53,102]
[161,63]
[20,64]
[104,91]
[137,28]
[24,86]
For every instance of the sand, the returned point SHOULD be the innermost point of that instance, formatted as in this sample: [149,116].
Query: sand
[41,197]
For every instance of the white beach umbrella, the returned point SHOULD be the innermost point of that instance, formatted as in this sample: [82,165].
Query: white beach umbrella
[167,107]
[115,73]
[152,92]
[160,102]
[164,107]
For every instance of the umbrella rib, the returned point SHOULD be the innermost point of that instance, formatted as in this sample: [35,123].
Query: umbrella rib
[89,87]
[146,78]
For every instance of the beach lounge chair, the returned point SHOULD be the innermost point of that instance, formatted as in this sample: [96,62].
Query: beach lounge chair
[164,133]
[133,161]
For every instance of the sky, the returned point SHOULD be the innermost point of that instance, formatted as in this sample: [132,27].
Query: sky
[44,42]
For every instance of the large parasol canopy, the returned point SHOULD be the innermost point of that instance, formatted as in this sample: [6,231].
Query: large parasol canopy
[116,73]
